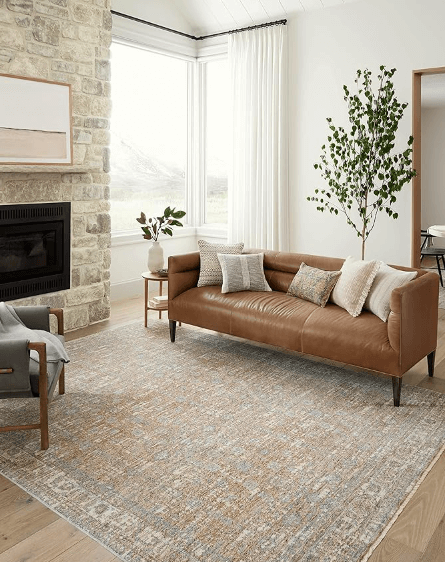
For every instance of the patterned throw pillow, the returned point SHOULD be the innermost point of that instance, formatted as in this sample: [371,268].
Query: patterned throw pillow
[243,273]
[379,297]
[354,284]
[313,285]
[210,269]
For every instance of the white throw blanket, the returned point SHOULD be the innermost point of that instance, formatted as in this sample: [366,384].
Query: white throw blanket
[12,328]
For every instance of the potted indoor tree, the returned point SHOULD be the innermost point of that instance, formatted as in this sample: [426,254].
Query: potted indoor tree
[363,171]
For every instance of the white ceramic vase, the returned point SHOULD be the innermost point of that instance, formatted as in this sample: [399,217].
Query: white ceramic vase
[155,257]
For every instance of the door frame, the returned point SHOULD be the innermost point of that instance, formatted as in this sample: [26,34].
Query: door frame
[417,161]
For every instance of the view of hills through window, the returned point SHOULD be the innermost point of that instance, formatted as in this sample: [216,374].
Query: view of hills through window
[217,140]
[148,134]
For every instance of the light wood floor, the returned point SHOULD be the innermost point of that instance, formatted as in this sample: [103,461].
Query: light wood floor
[31,532]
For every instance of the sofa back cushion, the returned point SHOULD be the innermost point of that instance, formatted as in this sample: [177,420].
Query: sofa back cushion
[280,267]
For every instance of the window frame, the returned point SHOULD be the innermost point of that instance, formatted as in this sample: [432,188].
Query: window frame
[195,173]
[205,227]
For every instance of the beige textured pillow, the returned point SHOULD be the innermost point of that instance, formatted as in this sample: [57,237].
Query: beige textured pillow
[210,269]
[379,297]
[354,284]
[313,284]
[243,273]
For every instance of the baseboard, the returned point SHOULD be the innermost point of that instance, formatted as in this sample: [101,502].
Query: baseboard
[126,289]
[133,288]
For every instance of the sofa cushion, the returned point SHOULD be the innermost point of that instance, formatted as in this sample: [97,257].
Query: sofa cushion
[313,284]
[332,333]
[354,284]
[243,273]
[210,269]
[270,317]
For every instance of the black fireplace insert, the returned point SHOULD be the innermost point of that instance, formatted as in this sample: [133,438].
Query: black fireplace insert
[34,249]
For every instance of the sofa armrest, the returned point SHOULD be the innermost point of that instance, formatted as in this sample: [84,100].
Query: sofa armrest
[412,323]
[183,273]
[14,366]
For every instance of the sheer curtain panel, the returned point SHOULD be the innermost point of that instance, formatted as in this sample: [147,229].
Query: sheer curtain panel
[258,181]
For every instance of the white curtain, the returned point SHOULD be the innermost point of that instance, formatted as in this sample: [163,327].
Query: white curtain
[258,181]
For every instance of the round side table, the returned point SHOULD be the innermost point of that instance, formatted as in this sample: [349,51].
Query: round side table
[147,277]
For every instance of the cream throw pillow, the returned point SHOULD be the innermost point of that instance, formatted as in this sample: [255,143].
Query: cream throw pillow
[243,273]
[209,268]
[354,284]
[379,297]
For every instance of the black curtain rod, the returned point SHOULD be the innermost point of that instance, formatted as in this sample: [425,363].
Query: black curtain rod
[133,18]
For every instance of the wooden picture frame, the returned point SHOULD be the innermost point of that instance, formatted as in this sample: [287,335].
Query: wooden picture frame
[35,122]
[417,160]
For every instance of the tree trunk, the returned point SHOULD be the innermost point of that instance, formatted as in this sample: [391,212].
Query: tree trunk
[363,241]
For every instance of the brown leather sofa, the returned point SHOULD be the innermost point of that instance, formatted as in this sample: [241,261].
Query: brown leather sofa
[275,318]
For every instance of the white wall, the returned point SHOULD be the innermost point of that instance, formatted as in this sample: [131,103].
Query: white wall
[326,48]
[433,168]
[129,260]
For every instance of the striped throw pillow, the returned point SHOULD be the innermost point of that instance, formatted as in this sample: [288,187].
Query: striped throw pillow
[243,273]
[210,269]
[379,297]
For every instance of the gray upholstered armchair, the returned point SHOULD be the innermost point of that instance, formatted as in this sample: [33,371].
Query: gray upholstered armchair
[22,378]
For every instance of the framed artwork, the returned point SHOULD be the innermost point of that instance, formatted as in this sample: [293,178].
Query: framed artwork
[35,121]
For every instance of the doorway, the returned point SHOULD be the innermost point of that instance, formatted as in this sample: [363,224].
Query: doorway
[435,78]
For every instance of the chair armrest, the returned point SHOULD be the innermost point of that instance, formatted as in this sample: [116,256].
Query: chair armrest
[183,273]
[14,360]
[37,317]
[412,323]
[40,347]
[58,313]
[34,317]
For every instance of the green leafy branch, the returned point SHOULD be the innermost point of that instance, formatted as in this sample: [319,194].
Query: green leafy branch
[363,172]
[155,226]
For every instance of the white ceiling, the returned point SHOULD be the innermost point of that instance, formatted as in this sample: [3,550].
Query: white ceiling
[212,16]
[433,90]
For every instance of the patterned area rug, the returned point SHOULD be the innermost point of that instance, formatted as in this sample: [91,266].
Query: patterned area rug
[214,450]
[441,297]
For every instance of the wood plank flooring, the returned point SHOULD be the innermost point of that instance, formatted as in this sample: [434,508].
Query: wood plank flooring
[31,532]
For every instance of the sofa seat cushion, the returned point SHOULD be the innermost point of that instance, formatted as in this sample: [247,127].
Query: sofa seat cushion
[270,317]
[333,333]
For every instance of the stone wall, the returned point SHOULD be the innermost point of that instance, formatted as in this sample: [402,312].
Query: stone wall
[68,41]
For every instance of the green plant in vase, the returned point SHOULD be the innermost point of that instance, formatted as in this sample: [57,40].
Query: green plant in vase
[153,227]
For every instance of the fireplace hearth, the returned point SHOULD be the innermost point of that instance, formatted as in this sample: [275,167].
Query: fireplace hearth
[34,249]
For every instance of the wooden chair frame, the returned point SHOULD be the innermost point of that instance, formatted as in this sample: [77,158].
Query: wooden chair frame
[44,399]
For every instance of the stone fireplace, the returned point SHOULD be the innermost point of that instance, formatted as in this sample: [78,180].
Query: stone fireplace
[65,41]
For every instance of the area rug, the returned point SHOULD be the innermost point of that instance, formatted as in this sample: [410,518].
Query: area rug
[216,450]
[441,297]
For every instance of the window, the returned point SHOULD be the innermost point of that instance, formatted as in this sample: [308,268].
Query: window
[217,141]
[148,134]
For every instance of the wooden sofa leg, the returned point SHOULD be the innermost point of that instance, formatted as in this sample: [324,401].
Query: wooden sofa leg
[396,389]
[172,325]
[431,359]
